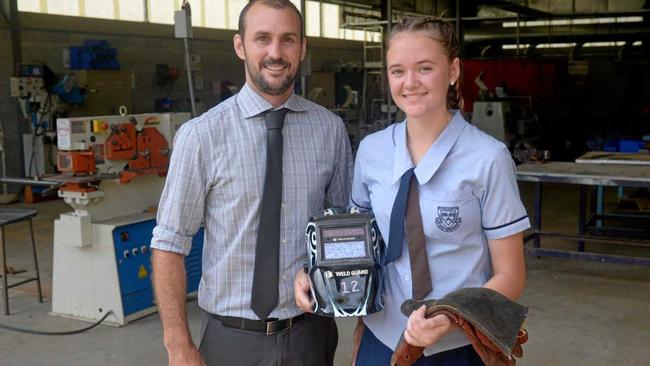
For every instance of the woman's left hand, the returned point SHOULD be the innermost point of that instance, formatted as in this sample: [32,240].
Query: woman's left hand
[423,332]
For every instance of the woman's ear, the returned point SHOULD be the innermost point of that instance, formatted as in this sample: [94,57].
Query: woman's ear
[454,72]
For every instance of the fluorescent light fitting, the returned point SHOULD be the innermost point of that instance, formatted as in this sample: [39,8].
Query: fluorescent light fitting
[555,45]
[604,44]
[610,44]
[579,21]
[514,46]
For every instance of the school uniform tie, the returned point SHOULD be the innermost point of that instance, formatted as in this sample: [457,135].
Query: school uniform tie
[406,208]
[264,295]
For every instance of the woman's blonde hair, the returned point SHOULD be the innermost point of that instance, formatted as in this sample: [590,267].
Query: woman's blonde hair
[442,31]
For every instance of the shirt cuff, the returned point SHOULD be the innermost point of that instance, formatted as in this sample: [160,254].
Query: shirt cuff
[505,230]
[170,241]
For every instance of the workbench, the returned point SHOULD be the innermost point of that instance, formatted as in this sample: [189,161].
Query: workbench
[586,175]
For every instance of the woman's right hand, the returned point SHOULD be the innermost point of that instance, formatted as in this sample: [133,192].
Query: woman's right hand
[301,290]
[425,332]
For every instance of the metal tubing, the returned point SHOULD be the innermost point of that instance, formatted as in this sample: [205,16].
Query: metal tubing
[581,216]
[190,82]
[603,258]
[38,275]
[29,182]
[617,231]
[598,239]
[537,223]
[3,266]
[16,284]
[641,216]
[497,34]
[513,18]
[600,204]
[530,237]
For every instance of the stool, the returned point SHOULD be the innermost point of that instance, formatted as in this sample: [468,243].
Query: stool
[12,216]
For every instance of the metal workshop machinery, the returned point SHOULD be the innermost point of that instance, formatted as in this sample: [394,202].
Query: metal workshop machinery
[113,172]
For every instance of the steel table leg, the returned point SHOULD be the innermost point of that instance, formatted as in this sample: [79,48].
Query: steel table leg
[537,223]
[582,216]
[3,272]
[38,274]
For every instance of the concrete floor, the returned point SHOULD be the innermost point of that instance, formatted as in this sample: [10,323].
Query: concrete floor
[581,313]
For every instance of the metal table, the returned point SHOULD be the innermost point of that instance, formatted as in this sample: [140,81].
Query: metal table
[584,175]
[10,216]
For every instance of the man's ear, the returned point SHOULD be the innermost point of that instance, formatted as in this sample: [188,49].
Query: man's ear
[303,52]
[238,44]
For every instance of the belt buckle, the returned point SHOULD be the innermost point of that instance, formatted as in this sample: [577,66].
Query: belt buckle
[271,331]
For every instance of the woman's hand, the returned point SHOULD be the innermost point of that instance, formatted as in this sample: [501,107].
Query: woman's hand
[423,332]
[301,292]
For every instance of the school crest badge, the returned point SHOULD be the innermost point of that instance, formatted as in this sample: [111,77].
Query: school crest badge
[448,218]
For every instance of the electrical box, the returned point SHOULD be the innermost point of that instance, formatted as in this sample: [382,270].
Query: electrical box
[183,24]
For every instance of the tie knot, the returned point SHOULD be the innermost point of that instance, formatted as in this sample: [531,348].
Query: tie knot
[275,119]
[406,177]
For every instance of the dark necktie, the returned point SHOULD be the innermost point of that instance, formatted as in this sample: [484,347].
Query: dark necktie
[407,208]
[264,296]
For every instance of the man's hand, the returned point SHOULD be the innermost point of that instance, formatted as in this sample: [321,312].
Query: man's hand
[186,356]
[169,287]
[423,332]
[301,292]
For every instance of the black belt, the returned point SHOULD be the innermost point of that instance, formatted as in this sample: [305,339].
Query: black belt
[269,326]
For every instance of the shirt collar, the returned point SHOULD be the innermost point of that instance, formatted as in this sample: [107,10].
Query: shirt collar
[433,157]
[253,104]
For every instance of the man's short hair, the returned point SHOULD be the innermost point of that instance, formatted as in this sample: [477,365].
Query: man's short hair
[275,4]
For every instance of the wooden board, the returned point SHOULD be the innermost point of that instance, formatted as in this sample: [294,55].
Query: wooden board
[605,157]
[588,174]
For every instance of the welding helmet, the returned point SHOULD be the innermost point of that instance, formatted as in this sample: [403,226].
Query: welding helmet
[345,252]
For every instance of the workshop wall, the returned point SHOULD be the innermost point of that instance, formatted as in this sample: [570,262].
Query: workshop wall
[576,111]
[611,102]
[5,71]
[140,47]
[8,109]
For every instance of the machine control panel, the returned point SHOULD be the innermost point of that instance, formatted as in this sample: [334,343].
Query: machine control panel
[133,260]
[24,87]
[74,134]
[105,144]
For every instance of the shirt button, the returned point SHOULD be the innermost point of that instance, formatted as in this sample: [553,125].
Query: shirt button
[407,278]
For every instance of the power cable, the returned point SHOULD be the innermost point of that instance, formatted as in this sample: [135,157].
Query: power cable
[40,332]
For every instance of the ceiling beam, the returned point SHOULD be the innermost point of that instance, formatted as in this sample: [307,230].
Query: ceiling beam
[522,10]
[496,35]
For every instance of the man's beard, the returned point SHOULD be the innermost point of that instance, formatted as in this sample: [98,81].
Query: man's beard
[264,85]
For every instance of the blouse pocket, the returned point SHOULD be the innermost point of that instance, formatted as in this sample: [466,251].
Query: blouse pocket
[450,216]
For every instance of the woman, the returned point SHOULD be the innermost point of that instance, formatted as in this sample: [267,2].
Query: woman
[471,215]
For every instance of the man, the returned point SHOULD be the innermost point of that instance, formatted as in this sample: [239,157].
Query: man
[255,201]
